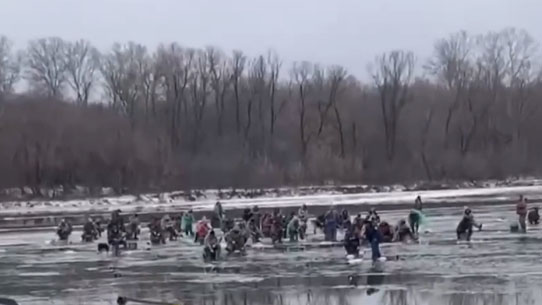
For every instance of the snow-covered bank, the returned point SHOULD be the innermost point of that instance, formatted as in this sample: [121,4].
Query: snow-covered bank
[25,194]
[174,202]
[47,215]
[78,192]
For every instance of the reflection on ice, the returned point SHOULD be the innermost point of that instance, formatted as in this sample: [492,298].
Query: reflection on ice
[368,296]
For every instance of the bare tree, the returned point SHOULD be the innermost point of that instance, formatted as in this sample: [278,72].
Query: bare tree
[274,64]
[490,77]
[124,70]
[151,81]
[232,120]
[200,93]
[319,82]
[46,65]
[451,64]
[260,88]
[424,139]
[392,79]
[221,77]
[257,86]
[10,66]
[238,66]
[336,77]
[520,52]
[82,62]
[175,66]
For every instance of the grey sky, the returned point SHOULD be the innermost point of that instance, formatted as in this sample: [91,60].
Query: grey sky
[349,32]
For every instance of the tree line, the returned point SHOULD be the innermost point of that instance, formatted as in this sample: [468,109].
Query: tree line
[178,117]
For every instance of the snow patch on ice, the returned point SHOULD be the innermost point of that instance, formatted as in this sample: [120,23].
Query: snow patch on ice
[227,279]
[50,273]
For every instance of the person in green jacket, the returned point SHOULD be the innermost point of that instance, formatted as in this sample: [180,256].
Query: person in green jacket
[188,220]
[415,216]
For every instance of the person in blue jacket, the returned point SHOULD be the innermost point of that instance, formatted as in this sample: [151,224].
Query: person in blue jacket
[372,235]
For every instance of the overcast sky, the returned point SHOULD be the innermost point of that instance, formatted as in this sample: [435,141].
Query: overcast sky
[350,32]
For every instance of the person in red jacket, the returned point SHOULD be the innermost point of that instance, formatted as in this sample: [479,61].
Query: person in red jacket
[521,210]
[202,229]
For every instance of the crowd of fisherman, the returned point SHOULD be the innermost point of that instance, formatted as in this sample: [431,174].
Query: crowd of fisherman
[254,225]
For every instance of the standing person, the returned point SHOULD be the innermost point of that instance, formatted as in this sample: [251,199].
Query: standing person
[247,214]
[218,216]
[331,218]
[303,215]
[116,227]
[372,235]
[344,218]
[352,240]
[266,225]
[415,216]
[134,228]
[418,204]
[293,228]
[277,226]
[286,222]
[188,221]
[521,211]
[257,216]
[99,228]
[179,223]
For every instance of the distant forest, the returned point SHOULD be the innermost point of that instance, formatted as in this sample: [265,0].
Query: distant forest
[182,118]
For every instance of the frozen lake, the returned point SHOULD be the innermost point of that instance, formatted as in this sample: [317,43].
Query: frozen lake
[498,267]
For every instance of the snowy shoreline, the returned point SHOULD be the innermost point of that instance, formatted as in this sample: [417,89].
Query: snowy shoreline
[45,213]
[201,200]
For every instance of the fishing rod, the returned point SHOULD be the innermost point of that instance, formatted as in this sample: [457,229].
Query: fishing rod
[124,301]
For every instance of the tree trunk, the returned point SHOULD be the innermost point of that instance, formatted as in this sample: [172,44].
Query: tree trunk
[340,130]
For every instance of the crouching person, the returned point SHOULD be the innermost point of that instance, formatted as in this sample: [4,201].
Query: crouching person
[293,229]
[533,216]
[211,250]
[464,228]
[352,241]
[254,231]
[235,240]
